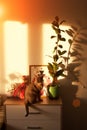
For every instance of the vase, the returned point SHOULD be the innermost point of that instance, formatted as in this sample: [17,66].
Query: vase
[53,92]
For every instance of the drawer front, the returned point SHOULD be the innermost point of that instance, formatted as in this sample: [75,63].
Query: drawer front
[32,124]
[39,112]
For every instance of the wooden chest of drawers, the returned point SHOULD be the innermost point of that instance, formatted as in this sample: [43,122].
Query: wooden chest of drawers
[44,116]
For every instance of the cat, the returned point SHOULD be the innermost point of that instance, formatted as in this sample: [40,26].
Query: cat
[32,93]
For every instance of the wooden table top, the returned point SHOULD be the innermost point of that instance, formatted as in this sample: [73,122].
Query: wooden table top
[45,101]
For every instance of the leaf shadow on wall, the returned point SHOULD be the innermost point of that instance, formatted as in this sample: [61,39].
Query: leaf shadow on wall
[74,115]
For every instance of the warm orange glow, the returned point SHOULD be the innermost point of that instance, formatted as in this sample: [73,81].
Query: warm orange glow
[16,48]
[1,10]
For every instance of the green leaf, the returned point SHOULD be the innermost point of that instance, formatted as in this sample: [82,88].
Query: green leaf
[55,48]
[59,36]
[70,41]
[59,72]
[55,67]
[59,52]
[60,46]
[62,39]
[62,22]
[56,29]
[52,36]
[62,66]
[57,18]
[63,52]
[55,58]
[62,30]
[60,63]
[55,23]
[50,66]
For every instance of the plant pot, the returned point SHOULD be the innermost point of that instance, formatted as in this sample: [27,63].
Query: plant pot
[53,92]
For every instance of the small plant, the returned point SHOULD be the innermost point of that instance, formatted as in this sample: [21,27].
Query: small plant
[60,63]
[56,67]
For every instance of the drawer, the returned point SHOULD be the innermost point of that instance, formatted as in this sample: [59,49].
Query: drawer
[29,125]
[39,112]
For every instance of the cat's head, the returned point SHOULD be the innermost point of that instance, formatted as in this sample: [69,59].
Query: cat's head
[38,82]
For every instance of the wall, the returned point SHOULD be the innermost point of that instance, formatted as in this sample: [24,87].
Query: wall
[37,12]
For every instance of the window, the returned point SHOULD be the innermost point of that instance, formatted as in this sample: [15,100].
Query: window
[16,50]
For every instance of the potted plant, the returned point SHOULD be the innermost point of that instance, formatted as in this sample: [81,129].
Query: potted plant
[60,62]
[57,67]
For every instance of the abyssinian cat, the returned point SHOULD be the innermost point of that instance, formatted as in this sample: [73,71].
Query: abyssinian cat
[32,92]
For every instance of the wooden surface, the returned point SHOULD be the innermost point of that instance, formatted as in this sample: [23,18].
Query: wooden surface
[45,101]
